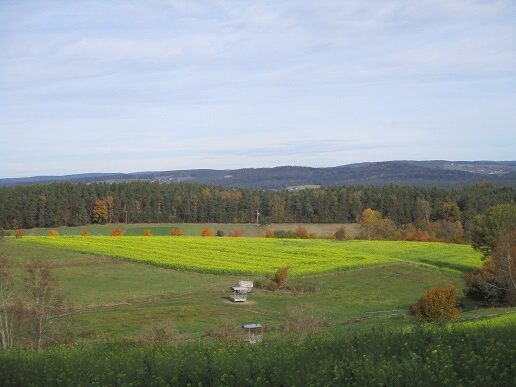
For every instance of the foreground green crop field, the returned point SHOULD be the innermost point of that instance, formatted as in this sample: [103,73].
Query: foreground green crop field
[472,355]
[261,256]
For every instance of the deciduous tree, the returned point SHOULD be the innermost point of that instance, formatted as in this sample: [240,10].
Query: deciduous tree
[207,232]
[7,316]
[497,221]
[100,211]
[340,234]
[176,232]
[280,278]
[44,299]
[438,304]
[269,233]
[504,261]
[367,221]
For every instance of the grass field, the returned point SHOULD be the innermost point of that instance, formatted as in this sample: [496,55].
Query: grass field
[261,256]
[116,298]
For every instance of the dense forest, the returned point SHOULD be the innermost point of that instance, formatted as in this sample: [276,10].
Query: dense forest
[69,204]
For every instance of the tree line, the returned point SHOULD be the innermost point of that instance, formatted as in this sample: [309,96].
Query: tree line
[69,204]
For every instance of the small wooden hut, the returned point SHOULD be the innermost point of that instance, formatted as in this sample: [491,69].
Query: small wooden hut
[253,333]
[239,293]
[246,284]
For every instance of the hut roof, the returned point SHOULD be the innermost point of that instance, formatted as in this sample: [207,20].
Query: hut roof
[252,326]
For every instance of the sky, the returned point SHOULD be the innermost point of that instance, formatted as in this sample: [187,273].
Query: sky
[124,86]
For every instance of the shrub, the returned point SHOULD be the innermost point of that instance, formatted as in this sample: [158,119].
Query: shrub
[438,304]
[411,233]
[220,233]
[53,233]
[302,322]
[265,283]
[281,277]
[269,233]
[340,234]
[227,331]
[302,288]
[20,233]
[235,234]
[302,233]
[116,232]
[207,232]
[85,233]
[147,232]
[384,229]
[176,232]
[159,334]
[285,234]
[483,285]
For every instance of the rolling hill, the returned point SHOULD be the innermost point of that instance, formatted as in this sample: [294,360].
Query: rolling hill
[438,173]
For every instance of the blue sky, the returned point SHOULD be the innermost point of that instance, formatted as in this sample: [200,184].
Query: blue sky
[120,86]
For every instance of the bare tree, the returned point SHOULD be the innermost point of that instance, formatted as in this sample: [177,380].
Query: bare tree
[44,299]
[111,203]
[7,316]
[504,259]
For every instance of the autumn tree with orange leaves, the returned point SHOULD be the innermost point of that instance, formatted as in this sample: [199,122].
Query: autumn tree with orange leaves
[207,232]
[100,211]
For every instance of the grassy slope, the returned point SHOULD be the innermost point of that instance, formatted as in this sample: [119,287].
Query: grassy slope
[118,298]
[260,256]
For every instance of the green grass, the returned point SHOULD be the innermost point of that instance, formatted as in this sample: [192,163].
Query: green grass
[261,256]
[118,298]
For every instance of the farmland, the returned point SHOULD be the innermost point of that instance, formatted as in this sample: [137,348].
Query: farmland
[117,298]
[176,283]
[262,256]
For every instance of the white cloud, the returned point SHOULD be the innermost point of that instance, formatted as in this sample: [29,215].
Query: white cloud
[209,79]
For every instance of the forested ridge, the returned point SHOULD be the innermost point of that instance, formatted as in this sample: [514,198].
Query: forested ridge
[436,173]
[69,204]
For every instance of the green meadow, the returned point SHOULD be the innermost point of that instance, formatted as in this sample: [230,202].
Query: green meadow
[180,283]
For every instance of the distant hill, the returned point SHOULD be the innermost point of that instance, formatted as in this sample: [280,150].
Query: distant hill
[437,173]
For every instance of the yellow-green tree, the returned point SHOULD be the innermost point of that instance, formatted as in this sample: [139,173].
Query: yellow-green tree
[368,220]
